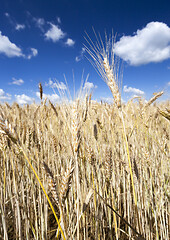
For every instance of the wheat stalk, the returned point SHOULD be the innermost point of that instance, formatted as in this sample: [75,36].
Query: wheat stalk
[108,164]
[51,183]
[66,184]
[75,127]
[41,91]
[105,64]
[101,55]
[153,99]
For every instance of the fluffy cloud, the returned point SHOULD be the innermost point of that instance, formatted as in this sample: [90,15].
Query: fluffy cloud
[89,86]
[17,81]
[70,42]
[55,84]
[11,50]
[53,97]
[151,44]
[4,96]
[23,99]
[168,84]
[19,27]
[80,57]
[8,48]
[34,52]
[54,33]
[51,84]
[133,90]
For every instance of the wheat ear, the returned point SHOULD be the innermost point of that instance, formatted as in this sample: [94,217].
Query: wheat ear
[7,130]
[153,99]
[65,184]
[165,113]
[51,183]
[41,91]
[110,80]
[108,164]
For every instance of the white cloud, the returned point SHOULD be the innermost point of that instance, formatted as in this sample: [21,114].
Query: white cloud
[133,90]
[23,99]
[8,48]
[54,33]
[89,86]
[168,84]
[80,57]
[4,96]
[33,53]
[19,27]
[17,81]
[151,44]
[70,42]
[51,84]
[56,84]
[53,97]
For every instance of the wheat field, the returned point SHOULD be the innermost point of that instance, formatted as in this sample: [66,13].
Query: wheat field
[86,137]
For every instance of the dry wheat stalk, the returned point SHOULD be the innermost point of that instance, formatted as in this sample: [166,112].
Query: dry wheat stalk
[108,164]
[86,110]
[66,183]
[51,183]
[54,109]
[153,99]
[75,126]
[165,113]
[41,91]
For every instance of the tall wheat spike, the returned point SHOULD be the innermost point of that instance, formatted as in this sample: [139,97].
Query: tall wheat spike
[110,80]
[104,62]
[107,70]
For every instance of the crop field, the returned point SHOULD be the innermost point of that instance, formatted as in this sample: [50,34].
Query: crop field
[85,170]
[80,156]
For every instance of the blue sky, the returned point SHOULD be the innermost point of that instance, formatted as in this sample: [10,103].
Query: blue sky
[41,41]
